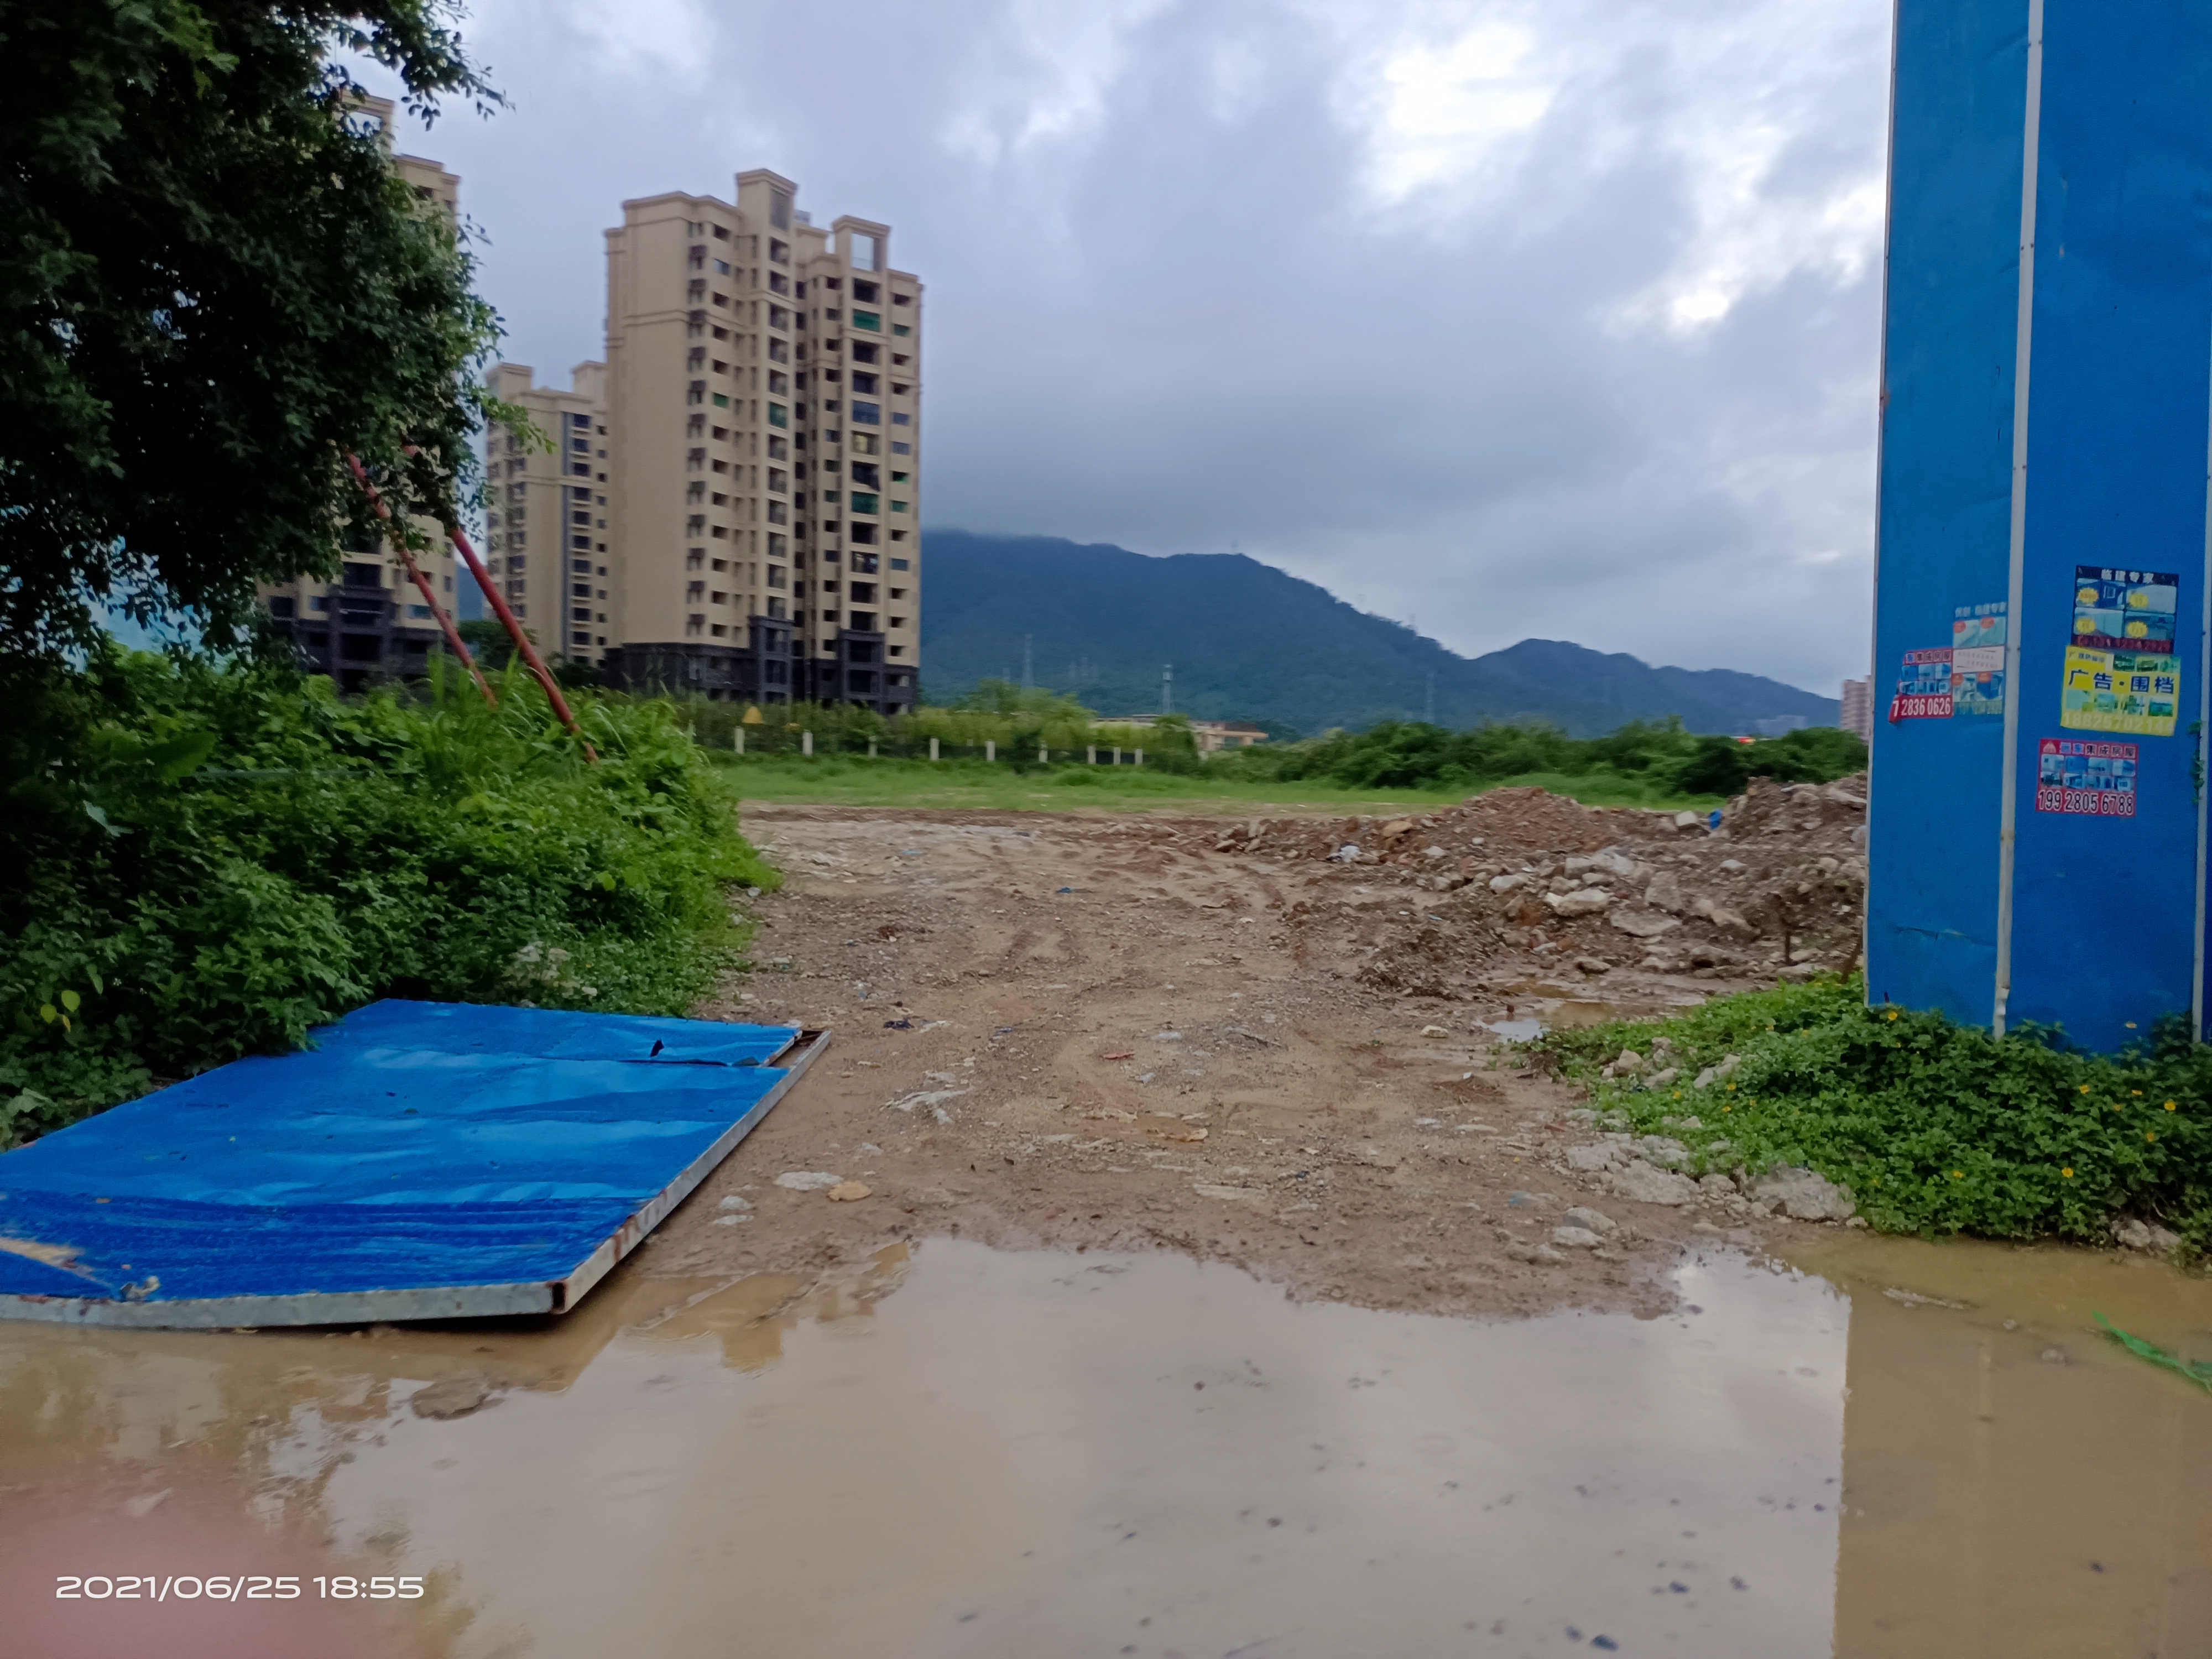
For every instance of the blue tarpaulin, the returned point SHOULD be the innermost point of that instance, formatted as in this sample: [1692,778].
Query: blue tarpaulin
[422,1160]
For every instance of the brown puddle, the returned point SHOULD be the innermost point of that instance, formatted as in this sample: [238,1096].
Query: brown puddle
[967,1452]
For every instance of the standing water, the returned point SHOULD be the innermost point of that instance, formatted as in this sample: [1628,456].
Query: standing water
[969,1452]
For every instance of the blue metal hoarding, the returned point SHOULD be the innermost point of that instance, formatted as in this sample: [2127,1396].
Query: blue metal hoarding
[2037,827]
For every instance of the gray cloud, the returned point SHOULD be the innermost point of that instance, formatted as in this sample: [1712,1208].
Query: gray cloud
[1516,319]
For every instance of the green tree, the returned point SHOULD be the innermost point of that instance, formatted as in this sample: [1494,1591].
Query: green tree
[212,288]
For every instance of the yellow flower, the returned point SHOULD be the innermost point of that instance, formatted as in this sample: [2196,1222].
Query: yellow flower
[2137,1093]
[2085,1088]
[1958,1175]
[2068,1174]
[1731,1088]
[1893,1013]
[2169,1105]
[1727,1108]
[2151,1135]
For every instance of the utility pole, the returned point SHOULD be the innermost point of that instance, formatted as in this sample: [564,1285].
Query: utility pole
[1028,679]
[1167,688]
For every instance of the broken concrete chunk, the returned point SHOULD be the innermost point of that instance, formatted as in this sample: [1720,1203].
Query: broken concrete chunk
[1575,1238]
[1589,1160]
[1596,1220]
[1507,884]
[1640,1183]
[1536,1256]
[2133,1234]
[808,1180]
[1583,901]
[1638,923]
[1628,1063]
[1803,1195]
[1660,1079]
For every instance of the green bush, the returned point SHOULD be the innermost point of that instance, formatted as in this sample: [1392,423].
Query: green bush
[212,857]
[1935,1127]
[1642,760]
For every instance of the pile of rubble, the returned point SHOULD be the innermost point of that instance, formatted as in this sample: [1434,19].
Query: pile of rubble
[1777,885]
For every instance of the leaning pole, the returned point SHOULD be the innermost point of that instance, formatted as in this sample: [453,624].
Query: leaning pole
[2037,835]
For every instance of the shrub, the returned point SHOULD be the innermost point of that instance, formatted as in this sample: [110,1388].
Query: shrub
[212,857]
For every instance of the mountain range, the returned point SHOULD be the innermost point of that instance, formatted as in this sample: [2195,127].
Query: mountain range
[1250,642]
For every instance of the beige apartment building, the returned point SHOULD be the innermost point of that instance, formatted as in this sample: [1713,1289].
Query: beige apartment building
[762,393]
[546,540]
[373,623]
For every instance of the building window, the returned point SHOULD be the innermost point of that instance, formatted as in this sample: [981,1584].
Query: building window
[899,389]
[778,415]
[901,419]
[778,282]
[721,400]
[864,352]
[721,267]
[863,381]
[898,507]
[779,252]
[899,447]
[863,501]
[870,320]
[865,291]
[898,622]
[830,616]
[779,382]
[864,443]
[861,532]
[867,414]
[695,623]
[900,564]
[901,331]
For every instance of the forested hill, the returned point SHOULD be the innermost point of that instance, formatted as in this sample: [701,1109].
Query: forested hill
[1251,642]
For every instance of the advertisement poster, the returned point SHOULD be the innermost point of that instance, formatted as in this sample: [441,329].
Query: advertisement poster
[2090,780]
[1978,658]
[2121,673]
[1923,689]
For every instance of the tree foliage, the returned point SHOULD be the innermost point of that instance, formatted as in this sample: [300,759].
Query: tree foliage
[213,286]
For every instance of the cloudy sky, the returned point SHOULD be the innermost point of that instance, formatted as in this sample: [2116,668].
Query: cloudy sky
[1507,318]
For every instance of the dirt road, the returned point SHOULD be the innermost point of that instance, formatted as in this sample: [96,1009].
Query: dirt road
[1095,1032]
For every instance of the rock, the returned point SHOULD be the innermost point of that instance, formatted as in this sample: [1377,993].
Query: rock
[1609,863]
[1584,902]
[1803,1195]
[1688,820]
[1594,1221]
[1589,1160]
[1660,1079]
[1716,1186]
[1641,923]
[1507,884]
[1434,1031]
[734,1202]
[1681,1123]
[1592,965]
[1575,1238]
[2053,1356]
[455,1396]
[1705,1079]
[808,1180]
[1640,1183]
[1537,1255]
[2136,1235]
[1229,1195]
[848,1191]
[1798,972]
[1628,1063]
[1664,892]
[1663,1150]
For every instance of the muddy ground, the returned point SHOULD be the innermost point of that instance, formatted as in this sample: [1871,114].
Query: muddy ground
[1269,1041]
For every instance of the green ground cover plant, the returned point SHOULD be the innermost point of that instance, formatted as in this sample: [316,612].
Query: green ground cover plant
[210,857]
[1935,1126]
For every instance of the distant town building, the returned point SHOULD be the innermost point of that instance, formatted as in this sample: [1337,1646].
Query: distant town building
[762,393]
[1211,735]
[373,623]
[1858,708]
[546,540]
[1780,725]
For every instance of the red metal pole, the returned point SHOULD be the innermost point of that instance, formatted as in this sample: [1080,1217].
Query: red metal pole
[453,634]
[522,639]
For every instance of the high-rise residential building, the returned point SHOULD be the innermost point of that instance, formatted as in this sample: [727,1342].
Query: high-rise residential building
[373,623]
[1858,714]
[546,538]
[763,392]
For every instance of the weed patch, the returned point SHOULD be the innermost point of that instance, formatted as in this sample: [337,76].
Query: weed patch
[1935,1127]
